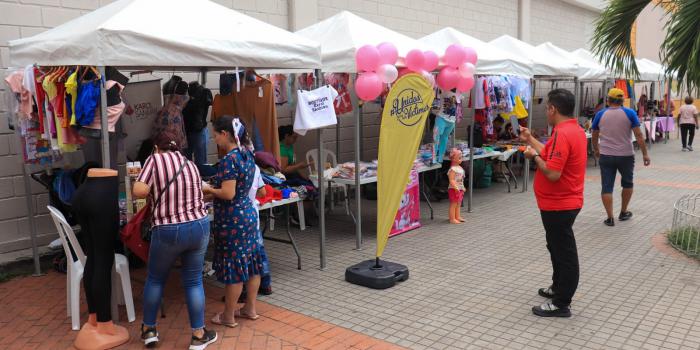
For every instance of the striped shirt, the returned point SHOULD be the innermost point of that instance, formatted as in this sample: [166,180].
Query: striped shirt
[183,201]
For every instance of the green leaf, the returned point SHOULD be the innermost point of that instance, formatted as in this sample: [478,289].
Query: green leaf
[680,51]
[612,39]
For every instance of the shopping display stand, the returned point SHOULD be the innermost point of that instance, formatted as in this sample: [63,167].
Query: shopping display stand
[127,35]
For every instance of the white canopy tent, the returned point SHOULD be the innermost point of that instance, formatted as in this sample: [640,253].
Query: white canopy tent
[492,60]
[183,35]
[341,35]
[167,33]
[543,65]
[587,70]
[648,70]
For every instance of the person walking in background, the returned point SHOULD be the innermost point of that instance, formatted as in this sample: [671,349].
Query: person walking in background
[612,143]
[558,185]
[181,230]
[238,258]
[688,123]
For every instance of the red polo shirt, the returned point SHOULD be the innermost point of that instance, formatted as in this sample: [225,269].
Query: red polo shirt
[566,151]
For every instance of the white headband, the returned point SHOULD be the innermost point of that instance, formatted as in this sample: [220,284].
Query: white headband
[237,125]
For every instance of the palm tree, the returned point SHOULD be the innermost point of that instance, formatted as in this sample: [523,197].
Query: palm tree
[679,52]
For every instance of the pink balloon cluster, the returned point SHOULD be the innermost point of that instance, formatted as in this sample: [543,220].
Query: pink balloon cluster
[377,65]
[460,65]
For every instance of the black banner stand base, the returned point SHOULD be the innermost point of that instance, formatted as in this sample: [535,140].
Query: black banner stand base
[376,274]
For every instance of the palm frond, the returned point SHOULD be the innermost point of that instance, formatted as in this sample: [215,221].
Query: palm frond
[680,50]
[612,39]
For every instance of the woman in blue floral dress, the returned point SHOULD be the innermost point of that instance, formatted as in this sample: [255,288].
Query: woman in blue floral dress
[237,256]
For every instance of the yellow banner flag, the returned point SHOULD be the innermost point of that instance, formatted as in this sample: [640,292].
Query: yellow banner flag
[403,120]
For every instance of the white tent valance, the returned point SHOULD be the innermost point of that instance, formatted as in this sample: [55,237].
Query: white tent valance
[648,70]
[492,60]
[184,33]
[341,35]
[542,64]
[586,70]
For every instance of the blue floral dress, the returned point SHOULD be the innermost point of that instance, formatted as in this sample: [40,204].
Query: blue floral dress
[237,255]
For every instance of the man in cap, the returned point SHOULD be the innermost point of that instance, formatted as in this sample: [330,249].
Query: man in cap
[612,144]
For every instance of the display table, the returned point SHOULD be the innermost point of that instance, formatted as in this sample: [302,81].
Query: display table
[269,220]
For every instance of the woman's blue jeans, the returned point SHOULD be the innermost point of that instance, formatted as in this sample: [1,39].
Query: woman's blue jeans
[188,241]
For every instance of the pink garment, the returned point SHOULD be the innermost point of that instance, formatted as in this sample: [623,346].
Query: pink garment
[113,112]
[15,81]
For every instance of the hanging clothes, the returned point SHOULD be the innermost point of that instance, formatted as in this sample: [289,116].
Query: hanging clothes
[340,82]
[444,125]
[256,102]
[622,85]
[170,118]
[23,96]
[114,112]
[279,81]
[315,109]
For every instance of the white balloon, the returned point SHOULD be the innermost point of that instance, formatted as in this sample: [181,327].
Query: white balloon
[429,77]
[388,73]
[466,69]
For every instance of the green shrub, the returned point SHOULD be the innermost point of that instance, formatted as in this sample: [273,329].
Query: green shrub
[686,239]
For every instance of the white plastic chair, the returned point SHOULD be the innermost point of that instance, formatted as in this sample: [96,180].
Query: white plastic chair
[328,156]
[76,266]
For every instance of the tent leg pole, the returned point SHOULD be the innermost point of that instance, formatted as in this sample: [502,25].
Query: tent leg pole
[321,191]
[358,192]
[471,155]
[30,208]
[526,175]
[106,162]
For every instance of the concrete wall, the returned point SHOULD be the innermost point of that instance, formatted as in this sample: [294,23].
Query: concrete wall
[650,32]
[565,24]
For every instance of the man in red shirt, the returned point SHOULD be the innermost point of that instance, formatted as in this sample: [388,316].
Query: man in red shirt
[561,168]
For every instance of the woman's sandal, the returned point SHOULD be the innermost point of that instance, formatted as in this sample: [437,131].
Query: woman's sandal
[240,314]
[218,320]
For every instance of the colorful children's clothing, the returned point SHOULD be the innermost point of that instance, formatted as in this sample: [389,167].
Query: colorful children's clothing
[456,194]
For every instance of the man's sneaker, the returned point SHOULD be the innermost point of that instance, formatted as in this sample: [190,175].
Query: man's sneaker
[690,148]
[551,310]
[685,149]
[609,222]
[625,216]
[265,290]
[149,335]
[209,337]
[546,292]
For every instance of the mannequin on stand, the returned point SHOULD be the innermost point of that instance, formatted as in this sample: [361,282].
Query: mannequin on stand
[96,205]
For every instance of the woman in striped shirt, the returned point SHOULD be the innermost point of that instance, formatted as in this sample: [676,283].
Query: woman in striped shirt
[181,229]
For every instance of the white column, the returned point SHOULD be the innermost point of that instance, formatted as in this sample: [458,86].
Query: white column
[524,15]
[302,13]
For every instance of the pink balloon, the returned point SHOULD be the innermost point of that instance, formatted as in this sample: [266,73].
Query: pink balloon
[388,53]
[455,55]
[431,61]
[429,77]
[465,84]
[368,86]
[448,78]
[367,58]
[471,55]
[415,60]
[466,69]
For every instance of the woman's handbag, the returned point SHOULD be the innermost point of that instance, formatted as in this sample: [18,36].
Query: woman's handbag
[136,235]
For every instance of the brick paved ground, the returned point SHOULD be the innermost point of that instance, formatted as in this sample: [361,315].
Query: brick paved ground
[471,286]
[33,316]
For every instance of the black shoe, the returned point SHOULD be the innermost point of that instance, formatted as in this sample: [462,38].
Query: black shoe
[201,343]
[609,221]
[265,291]
[149,335]
[546,292]
[625,216]
[551,310]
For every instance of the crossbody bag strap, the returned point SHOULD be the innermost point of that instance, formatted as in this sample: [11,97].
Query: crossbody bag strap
[169,183]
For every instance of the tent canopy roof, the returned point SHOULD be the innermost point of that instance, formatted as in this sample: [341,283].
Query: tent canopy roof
[648,70]
[167,33]
[542,64]
[587,70]
[492,60]
[341,35]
